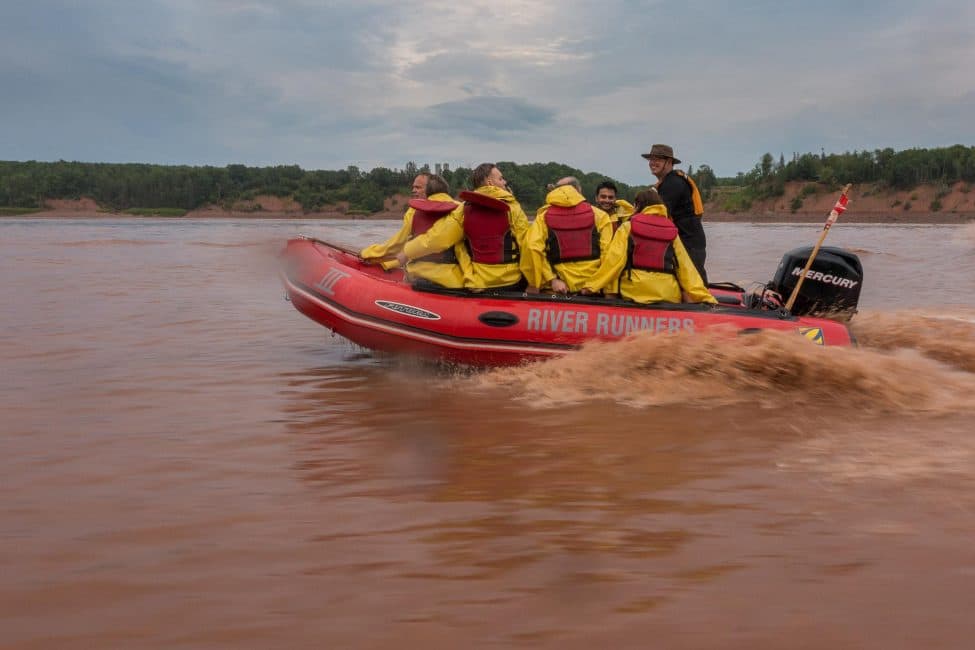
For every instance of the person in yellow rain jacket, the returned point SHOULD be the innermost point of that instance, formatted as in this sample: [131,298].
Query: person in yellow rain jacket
[385,252]
[647,262]
[491,227]
[431,203]
[619,210]
[567,240]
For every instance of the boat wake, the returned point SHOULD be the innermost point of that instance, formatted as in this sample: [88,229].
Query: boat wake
[948,337]
[907,362]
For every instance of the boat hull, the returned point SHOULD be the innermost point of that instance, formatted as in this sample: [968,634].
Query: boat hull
[379,310]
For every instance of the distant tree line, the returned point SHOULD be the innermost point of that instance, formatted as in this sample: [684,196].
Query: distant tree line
[123,186]
[129,186]
[899,170]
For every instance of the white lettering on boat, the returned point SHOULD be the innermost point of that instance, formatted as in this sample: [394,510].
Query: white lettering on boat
[409,310]
[826,278]
[558,320]
[607,324]
[330,279]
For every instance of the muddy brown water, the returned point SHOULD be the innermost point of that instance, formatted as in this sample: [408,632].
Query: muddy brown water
[187,462]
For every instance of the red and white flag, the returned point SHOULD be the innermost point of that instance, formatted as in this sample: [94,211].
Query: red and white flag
[837,210]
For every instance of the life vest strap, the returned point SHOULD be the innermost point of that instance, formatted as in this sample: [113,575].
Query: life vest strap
[695,194]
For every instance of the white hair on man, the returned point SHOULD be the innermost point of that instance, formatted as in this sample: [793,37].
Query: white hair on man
[570,180]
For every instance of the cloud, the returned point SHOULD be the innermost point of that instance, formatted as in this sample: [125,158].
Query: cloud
[497,115]
[372,82]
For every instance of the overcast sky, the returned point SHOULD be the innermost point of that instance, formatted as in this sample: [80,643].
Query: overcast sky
[334,83]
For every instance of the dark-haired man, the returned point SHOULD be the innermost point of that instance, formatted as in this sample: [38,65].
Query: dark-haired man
[619,210]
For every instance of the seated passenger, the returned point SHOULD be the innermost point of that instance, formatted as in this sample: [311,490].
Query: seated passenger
[567,240]
[430,204]
[619,210]
[490,228]
[647,262]
[385,253]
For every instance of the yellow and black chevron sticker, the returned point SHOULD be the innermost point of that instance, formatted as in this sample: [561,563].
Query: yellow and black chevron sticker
[814,334]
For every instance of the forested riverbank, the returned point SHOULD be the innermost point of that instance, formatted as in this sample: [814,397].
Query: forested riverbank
[926,185]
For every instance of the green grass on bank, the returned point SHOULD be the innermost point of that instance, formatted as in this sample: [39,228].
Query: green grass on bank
[13,212]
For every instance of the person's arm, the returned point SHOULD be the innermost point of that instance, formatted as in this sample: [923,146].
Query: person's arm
[604,226]
[393,245]
[534,262]
[441,236]
[690,280]
[612,264]
[518,221]
[624,208]
[464,260]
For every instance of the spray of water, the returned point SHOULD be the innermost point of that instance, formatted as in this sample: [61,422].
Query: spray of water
[905,363]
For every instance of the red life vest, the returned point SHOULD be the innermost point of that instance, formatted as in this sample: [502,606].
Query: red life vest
[487,229]
[425,214]
[572,234]
[652,244]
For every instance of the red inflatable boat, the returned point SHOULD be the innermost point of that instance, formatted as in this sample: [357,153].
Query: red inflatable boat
[377,309]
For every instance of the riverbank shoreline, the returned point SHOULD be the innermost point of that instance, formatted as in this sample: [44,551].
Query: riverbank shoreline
[767,217]
[795,205]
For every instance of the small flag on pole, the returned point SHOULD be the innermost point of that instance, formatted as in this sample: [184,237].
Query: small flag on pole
[837,210]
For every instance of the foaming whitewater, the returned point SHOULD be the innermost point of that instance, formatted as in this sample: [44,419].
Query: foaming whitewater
[906,363]
[948,337]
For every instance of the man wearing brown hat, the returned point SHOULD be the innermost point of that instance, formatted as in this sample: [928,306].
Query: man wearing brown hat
[683,201]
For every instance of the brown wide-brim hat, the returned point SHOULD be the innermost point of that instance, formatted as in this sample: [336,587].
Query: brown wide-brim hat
[662,150]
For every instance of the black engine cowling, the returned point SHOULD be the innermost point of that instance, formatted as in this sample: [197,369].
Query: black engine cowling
[832,284]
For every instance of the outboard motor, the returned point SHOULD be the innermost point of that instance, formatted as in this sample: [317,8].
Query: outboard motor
[832,284]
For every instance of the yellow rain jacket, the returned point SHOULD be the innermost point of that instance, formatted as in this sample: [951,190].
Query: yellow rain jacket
[621,213]
[640,285]
[449,231]
[446,275]
[535,263]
